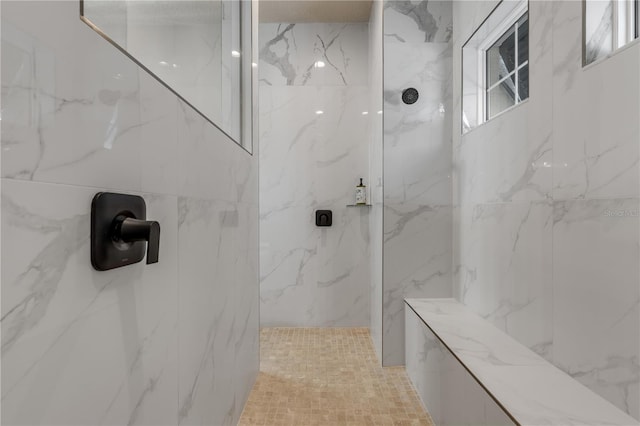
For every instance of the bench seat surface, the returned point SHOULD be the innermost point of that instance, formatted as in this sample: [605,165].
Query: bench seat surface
[531,390]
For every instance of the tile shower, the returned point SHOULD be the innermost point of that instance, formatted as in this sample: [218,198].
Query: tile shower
[164,344]
[530,219]
[321,129]
[505,217]
[313,149]
[546,235]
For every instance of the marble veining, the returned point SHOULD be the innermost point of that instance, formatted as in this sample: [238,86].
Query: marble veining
[545,225]
[158,342]
[417,157]
[426,21]
[312,152]
[376,154]
[444,386]
[301,54]
[529,388]
[517,237]
[50,325]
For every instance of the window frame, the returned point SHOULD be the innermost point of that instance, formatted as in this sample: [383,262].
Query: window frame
[500,30]
[631,15]
[637,15]
[628,14]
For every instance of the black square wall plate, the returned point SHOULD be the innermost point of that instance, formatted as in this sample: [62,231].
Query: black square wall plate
[107,253]
[324,218]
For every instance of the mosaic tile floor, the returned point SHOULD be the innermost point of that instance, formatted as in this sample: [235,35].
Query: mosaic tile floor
[328,376]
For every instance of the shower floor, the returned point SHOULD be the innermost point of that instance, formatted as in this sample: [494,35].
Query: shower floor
[328,376]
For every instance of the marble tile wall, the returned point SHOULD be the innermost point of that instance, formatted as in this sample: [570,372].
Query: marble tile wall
[170,343]
[376,150]
[314,146]
[546,224]
[417,162]
[451,395]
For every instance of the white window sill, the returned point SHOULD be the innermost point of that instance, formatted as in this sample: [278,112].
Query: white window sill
[612,54]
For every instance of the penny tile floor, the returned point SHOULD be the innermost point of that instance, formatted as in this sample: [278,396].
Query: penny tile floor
[328,376]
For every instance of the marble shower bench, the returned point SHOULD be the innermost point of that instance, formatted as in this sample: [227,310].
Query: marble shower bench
[468,372]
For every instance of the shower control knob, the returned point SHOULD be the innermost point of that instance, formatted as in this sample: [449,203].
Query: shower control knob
[128,230]
[119,231]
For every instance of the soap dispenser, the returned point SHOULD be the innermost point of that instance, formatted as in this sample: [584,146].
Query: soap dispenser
[361,193]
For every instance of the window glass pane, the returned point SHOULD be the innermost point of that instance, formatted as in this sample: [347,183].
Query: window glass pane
[501,57]
[637,20]
[523,39]
[501,97]
[598,25]
[523,83]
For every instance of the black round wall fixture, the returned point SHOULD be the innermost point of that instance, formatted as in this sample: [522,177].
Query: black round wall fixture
[410,96]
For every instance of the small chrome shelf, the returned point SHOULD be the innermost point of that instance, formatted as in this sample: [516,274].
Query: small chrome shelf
[358,205]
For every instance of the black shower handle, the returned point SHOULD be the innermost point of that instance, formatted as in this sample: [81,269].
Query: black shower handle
[129,230]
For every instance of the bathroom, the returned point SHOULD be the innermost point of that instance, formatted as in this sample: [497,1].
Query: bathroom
[185,241]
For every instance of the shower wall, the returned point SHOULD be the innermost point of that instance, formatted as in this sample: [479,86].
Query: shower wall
[376,150]
[314,121]
[417,162]
[171,343]
[546,220]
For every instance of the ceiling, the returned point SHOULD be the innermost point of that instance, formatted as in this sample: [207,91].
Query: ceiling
[299,11]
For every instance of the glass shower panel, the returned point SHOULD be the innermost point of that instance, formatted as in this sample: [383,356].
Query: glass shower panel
[193,47]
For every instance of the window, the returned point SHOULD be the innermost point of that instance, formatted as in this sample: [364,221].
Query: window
[495,64]
[507,69]
[637,18]
[607,26]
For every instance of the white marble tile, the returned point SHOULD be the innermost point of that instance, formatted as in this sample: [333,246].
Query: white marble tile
[289,53]
[559,399]
[468,16]
[158,137]
[217,301]
[88,117]
[376,152]
[417,161]
[450,394]
[288,267]
[574,139]
[504,169]
[312,276]
[376,286]
[417,138]
[78,112]
[64,322]
[530,389]
[82,120]
[315,158]
[597,303]
[510,158]
[417,262]
[424,364]
[342,289]
[210,165]
[417,21]
[247,308]
[504,268]
[477,342]
[595,124]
